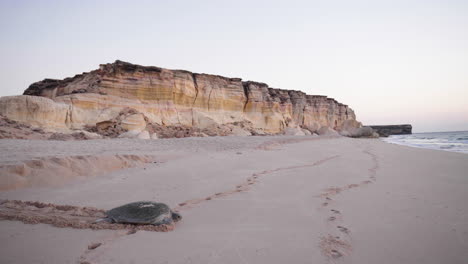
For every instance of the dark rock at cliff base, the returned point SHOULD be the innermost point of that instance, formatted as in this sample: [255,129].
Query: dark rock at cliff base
[385,131]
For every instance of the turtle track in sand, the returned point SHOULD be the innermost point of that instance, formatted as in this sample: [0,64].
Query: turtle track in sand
[65,216]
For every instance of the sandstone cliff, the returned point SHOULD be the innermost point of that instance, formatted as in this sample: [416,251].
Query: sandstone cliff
[169,98]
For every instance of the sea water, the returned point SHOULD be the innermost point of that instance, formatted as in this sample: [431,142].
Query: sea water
[456,141]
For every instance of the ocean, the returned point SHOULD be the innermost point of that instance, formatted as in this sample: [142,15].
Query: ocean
[456,141]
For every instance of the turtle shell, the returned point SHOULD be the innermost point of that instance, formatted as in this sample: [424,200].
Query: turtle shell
[141,213]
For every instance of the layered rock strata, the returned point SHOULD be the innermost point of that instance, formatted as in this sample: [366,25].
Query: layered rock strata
[169,98]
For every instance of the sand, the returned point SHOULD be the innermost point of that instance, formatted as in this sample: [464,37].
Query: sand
[245,200]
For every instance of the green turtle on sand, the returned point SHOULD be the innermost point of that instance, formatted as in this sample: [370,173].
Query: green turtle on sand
[143,213]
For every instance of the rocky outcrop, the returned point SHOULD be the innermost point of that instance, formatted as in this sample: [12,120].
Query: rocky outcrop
[388,130]
[169,98]
[353,128]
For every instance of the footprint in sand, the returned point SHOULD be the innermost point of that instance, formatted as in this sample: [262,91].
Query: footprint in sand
[335,254]
[335,211]
[343,229]
[331,218]
[94,246]
[334,248]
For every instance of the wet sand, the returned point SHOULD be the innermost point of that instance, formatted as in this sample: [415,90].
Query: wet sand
[246,200]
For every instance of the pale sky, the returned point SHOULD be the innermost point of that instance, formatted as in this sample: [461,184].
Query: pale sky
[391,61]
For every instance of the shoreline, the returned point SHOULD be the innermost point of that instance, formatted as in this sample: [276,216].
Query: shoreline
[331,199]
[410,146]
[451,141]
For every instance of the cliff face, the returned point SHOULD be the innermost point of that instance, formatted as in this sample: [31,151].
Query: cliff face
[170,97]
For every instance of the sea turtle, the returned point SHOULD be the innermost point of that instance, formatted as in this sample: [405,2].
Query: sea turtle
[143,212]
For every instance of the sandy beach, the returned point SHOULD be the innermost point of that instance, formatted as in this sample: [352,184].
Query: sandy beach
[242,199]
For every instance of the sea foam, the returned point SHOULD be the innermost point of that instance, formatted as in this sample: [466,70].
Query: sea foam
[456,141]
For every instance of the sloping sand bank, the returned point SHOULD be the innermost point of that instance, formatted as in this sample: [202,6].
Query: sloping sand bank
[55,171]
[255,200]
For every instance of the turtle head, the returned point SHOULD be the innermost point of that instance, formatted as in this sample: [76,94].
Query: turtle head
[175,216]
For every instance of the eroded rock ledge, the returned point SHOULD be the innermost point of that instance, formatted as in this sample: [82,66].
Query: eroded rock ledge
[170,98]
[387,130]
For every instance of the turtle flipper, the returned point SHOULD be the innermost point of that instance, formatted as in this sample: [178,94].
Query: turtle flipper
[164,221]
